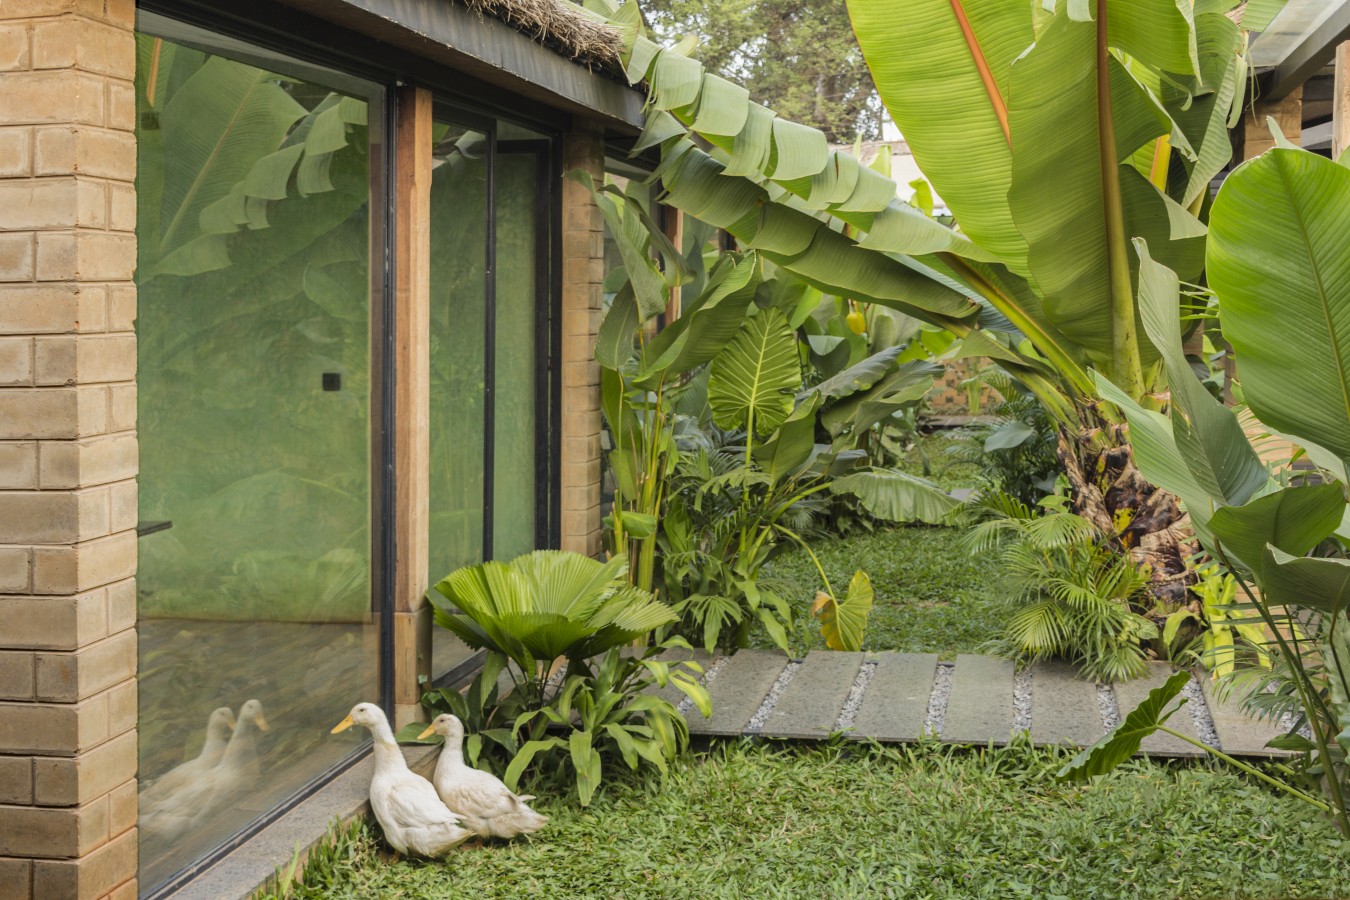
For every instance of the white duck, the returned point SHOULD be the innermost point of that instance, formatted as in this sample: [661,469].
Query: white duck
[218,728]
[210,791]
[488,807]
[413,818]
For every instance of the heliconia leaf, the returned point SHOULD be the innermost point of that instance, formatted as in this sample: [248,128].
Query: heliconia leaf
[1294,520]
[1320,584]
[614,343]
[1122,742]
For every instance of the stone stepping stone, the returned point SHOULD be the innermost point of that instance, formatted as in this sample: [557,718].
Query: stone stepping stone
[895,705]
[1064,707]
[812,701]
[737,692]
[980,708]
[1239,733]
[1130,694]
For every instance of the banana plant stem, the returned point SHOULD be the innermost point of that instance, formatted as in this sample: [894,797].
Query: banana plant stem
[1250,770]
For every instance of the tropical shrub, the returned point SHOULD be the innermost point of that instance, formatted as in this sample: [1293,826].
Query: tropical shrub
[1075,597]
[1019,453]
[721,450]
[1056,134]
[1279,266]
[551,607]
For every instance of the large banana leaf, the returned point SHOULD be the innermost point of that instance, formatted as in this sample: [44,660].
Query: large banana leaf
[1279,260]
[896,496]
[943,69]
[753,381]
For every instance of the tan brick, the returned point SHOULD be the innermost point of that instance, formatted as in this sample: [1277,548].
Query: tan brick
[121,605]
[122,705]
[80,43]
[84,150]
[91,203]
[16,675]
[15,576]
[16,362]
[127,890]
[71,781]
[88,359]
[98,460]
[90,564]
[38,308]
[40,833]
[16,156]
[16,262]
[38,414]
[65,677]
[16,879]
[123,510]
[38,203]
[121,407]
[85,256]
[122,801]
[121,307]
[14,47]
[121,207]
[90,878]
[57,729]
[40,517]
[18,465]
[16,780]
[57,95]
[57,623]
[121,106]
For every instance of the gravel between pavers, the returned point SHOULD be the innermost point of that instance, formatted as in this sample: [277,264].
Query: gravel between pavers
[784,679]
[1022,700]
[1204,722]
[937,701]
[1107,706]
[855,696]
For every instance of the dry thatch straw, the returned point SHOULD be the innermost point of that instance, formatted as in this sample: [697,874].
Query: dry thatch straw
[560,26]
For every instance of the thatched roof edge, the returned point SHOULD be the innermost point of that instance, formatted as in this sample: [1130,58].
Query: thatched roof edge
[561,26]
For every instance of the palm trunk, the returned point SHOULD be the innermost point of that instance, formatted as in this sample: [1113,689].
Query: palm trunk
[1109,490]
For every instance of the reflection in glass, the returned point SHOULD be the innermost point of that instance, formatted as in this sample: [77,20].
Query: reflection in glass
[458,336]
[515,510]
[256,621]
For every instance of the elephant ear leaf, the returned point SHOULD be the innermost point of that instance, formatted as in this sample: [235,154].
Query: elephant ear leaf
[753,382]
[1122,742]
[843,623]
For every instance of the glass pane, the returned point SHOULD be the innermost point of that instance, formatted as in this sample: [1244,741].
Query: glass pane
[514,505]
[254,200]
[458,335]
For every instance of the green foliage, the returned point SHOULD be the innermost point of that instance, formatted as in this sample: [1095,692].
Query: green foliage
[854,821]
[550,606]
[842,623]
[1123,741]
[1019,455]
[1076,596]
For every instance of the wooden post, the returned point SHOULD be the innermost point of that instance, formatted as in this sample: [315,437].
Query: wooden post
[1340,103]
[673,225]
[1288,115]
[412,392]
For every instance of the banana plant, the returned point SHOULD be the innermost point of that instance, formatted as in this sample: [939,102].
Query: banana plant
[1057,133]
[1279,263]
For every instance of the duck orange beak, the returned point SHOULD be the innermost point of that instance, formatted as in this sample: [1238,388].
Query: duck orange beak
[343,725]
[424,735]
[261,722]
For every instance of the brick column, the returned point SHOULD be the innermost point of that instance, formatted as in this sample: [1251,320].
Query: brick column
[67,449]
[583,251]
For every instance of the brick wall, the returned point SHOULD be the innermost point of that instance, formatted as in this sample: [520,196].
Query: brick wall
[583,243]
[67,449]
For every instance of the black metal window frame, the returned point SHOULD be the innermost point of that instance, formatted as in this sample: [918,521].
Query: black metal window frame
[284,30]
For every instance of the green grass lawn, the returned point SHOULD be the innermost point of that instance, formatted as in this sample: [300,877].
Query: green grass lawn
[931,595]
[842,821]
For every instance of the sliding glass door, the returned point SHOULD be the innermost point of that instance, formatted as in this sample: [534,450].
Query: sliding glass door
[491,341]
[260,206]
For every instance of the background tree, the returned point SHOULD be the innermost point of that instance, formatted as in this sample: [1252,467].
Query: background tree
[796,56]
